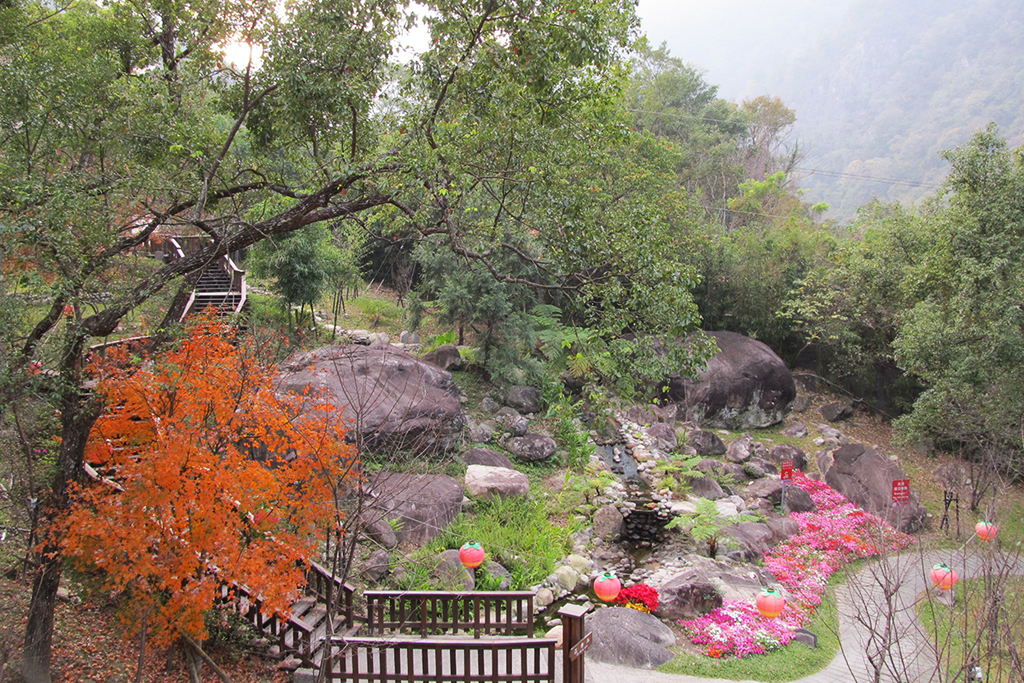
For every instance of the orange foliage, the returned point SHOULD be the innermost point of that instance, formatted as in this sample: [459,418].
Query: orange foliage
[195,510]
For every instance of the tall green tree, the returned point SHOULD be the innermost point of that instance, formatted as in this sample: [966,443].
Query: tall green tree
[123,119]
[964,334]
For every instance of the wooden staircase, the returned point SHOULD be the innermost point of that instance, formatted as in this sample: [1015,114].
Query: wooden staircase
[299,638]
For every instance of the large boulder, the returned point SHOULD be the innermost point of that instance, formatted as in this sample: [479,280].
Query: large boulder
[488,482]
[865,477]
[420,504]
[732,581]
[629,637]
[680,598]
[745,386]
[393,398]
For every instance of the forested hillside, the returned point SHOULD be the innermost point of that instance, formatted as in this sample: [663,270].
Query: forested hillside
[894,84]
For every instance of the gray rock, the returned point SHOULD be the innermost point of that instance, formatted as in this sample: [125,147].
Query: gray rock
[395,399]
[782,528]
[801,404]
[836,412]
[581,564]
[444,357]
[485,456]
[524,399]
[644,415]
[487,482]
[797,430]
[565,577]
[797,500]
[532,447]
[664,436]
[423,504]
[451,574]
[483,432]
[739,450]
[376,566]
[497,576]
[745,385]
[769,489]
[706,487]
[865,477]
[754,539]
[734,582]
[489,406]
[784,452]
[756,468]
[706,442]
[543,597]
[802,635]
[629,637]
[512,422]
[609,523]
[376,526]
[683,599]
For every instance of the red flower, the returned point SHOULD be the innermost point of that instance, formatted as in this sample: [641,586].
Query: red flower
[640,593]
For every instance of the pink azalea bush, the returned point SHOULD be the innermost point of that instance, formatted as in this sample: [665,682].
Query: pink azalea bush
[837,533]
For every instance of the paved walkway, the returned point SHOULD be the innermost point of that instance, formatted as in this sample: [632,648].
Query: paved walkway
[872,636]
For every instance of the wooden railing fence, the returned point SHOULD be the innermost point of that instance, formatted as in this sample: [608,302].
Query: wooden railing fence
[432,612]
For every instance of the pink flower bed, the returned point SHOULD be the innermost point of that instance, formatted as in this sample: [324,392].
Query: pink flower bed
[837,533]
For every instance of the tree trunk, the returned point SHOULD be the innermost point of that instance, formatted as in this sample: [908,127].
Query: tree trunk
[78,413]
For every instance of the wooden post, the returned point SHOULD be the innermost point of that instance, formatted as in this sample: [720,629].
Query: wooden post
[574,641]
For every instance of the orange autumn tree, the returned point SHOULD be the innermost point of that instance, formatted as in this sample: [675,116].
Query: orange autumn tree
[187,509]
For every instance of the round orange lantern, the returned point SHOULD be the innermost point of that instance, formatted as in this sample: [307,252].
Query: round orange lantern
[770,603]
[607,586]
[986,530]
[471,554]
[943,577]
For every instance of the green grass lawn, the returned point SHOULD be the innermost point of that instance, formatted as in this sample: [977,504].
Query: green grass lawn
[962,632]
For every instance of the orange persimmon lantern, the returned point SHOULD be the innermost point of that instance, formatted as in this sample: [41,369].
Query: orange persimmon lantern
[607,586]
[770,603]
[471,554]
[943,577]
[986,530]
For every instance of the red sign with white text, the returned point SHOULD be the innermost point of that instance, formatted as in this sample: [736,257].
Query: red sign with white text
[787,470]
[900,490]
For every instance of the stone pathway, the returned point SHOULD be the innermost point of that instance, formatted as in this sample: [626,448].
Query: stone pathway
[872,637]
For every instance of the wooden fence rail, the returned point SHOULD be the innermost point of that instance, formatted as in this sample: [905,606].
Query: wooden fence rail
[434,612]
[442,660]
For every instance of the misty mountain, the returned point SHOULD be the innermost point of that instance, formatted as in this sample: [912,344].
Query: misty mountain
[893,84]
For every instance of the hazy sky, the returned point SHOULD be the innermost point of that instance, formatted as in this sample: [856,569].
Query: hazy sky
[741,44]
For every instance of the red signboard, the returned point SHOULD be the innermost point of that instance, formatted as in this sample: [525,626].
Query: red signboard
[900,490]
[787,470]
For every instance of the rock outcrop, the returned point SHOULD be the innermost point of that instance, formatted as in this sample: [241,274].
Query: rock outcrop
[420,505]
[745,386]
[865,477]
[393,398]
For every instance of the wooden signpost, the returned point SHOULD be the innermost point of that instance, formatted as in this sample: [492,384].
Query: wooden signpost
[581,647]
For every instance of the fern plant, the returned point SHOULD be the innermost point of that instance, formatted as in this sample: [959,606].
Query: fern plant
[705,526]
